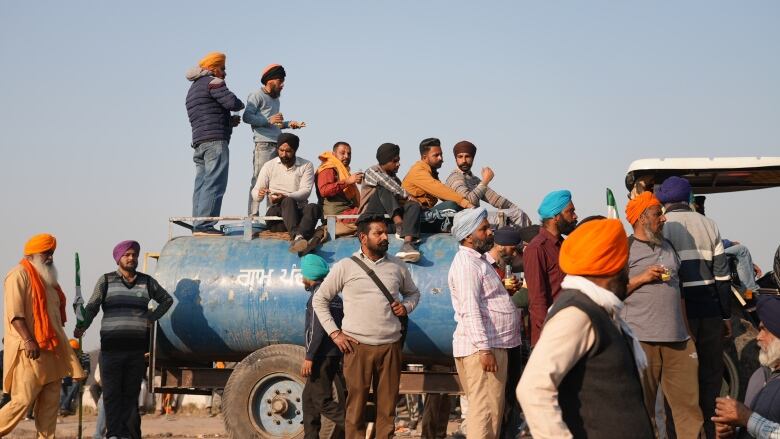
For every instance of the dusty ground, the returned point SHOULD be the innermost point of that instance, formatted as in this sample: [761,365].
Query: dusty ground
[190,426]
[180,426]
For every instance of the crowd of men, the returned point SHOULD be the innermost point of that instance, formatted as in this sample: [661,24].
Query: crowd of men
[624,318]
[419,203]
[610,319]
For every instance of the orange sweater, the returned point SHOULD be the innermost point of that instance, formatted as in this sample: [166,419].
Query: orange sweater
[427,189]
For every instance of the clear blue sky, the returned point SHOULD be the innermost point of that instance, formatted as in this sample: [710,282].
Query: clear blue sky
[95,137]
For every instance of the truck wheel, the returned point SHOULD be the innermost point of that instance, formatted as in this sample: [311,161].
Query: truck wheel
[263,396]
[731,378]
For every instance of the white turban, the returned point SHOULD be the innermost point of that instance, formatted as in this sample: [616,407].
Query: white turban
[467,221]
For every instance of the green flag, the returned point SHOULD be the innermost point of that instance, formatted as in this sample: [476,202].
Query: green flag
[612,211]
[78,302]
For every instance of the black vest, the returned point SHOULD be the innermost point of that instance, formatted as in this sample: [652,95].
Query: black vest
[601,396]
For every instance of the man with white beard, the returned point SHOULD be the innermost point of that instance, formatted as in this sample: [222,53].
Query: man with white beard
[36,354]
[761,415]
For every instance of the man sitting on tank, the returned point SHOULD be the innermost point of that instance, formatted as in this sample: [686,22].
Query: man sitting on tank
[337,187]
[382,192]
[287,181]
[475,190]
[761,413]
[422,183]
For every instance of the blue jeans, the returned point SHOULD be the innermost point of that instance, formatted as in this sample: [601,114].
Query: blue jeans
[264,152]
[747,277]
[100,424]
[70,390]
[211,175]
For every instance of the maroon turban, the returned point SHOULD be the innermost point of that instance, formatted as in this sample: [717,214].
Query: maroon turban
[464,146]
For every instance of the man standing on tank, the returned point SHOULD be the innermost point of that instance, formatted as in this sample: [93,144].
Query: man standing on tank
[124,295]
[209,103]
[371,332]
[262,113]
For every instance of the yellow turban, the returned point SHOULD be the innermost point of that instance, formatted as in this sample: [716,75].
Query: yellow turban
[213,60]
[40,244]
[595,248]
[639,204]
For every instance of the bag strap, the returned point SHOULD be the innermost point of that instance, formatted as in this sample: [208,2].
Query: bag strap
[375,278]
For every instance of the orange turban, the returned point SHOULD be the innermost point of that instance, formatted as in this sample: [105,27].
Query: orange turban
[40,244]
[213,60]
[74,344]
[595,248]
[639,204]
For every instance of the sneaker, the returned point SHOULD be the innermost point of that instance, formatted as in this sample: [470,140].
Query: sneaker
[320,236]
[298,244]
[408,253]
[207,232]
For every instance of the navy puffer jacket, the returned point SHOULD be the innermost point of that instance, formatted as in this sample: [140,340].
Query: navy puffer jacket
[209,103]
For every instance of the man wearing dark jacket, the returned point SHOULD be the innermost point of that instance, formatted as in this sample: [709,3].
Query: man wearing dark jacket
[323,358]
[706,286]
[209,103]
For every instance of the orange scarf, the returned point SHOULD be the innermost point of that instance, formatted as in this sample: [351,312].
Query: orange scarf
[330,161]
[43,329]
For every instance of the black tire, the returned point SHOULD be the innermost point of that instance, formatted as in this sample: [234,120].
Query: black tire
[254,380]
[732,383]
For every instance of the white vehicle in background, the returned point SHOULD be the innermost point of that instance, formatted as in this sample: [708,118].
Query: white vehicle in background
[714,176]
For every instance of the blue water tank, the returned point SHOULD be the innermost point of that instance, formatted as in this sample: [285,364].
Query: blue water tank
[232,297]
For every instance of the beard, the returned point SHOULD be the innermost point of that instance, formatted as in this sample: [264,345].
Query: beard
[655,238]
[619,284]
[465,167]
[287,161]
[566,227]
[770,357]
[483,246]
[47,272]
[380,248]
[130,267]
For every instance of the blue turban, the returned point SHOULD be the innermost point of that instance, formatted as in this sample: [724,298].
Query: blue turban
[768,310]
[554,203]
[467,221]
[313,267]
[674,190]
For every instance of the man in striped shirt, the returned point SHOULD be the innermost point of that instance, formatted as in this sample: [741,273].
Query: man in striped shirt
[705,277]
[475,190]
[487,324]
[124,295]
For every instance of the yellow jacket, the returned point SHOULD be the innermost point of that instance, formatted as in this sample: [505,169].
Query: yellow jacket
[427,189]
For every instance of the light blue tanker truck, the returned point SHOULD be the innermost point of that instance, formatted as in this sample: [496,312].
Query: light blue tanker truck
[241,300]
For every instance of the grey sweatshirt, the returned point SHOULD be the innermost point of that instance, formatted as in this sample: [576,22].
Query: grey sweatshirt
[259,107]
[367,314]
